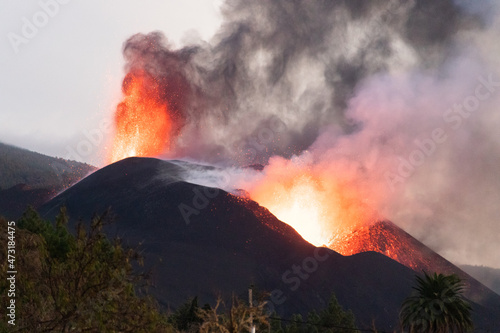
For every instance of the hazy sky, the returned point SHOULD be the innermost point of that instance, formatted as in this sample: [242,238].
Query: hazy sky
[61,81]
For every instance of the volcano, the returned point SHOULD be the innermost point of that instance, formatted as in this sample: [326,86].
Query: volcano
[229,243]
[387,238]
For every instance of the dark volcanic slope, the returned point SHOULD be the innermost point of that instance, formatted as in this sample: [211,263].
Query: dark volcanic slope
[15,200]
[229,243]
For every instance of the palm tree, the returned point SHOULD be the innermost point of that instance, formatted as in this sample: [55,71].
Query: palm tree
[437,306]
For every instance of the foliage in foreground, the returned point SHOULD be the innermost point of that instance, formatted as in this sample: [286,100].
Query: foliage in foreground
[239,317]
[438,306]
[81,282]
[332,319]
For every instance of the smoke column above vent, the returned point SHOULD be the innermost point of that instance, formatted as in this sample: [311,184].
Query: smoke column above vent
[297,60]
[344,94]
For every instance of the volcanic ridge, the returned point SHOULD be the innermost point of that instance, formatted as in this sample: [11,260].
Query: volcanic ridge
[228,243]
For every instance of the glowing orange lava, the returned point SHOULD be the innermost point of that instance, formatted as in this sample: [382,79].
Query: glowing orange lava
[329,207]
[318,205]
[297,202]
[142,120]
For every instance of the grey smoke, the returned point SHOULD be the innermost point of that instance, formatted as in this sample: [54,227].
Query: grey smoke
[297,60]
[356,83]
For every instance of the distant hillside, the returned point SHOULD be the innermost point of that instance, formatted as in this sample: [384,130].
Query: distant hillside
[21,166]
[488,276]
[29,178]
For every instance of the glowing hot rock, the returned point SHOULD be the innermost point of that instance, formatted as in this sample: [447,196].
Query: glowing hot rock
[142,121]
[321,207]
[298,203]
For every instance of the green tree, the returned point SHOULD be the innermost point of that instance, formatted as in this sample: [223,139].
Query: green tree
[78,283]
[332,319]
[296,325]
[437,306]
[275,323]
[186,318]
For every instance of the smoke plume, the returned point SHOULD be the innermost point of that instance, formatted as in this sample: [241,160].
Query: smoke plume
[392,102]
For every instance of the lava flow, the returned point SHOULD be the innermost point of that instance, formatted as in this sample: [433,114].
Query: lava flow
[142,122]
[315,203]
[326,214]
[326,209]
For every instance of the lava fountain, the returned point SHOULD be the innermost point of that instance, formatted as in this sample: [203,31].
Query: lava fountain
[142,121]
